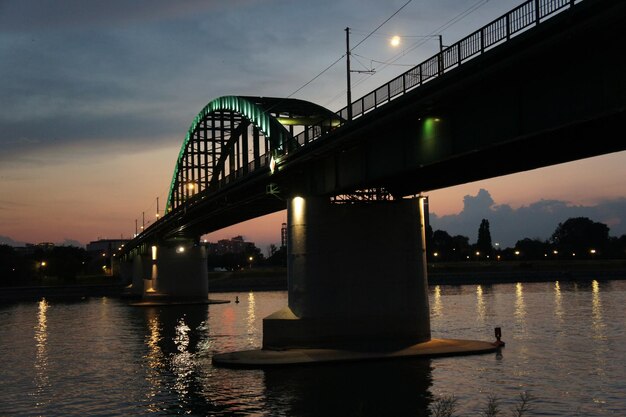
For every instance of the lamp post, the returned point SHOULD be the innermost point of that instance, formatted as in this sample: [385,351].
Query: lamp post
[348,71]
[349,92]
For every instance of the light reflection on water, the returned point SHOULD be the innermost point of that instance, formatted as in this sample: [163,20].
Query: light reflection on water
[437,305]
[251,319]
[42,382]
[480,303]
[154,359]
[558,308]
[565,344]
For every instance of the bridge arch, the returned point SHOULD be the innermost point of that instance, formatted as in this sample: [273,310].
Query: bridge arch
[234,135]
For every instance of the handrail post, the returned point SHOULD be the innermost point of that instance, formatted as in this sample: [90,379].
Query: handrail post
[508,26]
[388,92]
[420,73]
[439,63]
[537,14]
[482,40]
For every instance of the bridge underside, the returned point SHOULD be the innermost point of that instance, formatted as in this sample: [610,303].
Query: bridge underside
[552,95]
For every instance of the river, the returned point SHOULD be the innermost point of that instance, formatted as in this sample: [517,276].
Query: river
[565,345]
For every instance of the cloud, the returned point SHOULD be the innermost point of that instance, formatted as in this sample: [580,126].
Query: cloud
[72,74]
[6,240]
[29,15]
[70,242]
[536,220]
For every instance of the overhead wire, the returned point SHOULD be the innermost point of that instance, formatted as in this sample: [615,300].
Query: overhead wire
[422,41]
[355,46]
[318,75]
[391,62]
[379,26]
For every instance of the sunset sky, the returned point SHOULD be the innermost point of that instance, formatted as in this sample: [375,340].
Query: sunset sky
[97,97]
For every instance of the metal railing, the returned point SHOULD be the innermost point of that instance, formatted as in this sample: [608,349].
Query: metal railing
[524,16]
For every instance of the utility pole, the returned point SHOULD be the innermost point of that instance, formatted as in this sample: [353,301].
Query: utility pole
[135,227]
[157,214]
[349,92]
[143,220]
[440,57]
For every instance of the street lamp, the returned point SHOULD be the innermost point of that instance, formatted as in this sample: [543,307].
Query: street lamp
[42,266]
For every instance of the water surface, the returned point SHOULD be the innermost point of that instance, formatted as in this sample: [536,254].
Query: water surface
[565,344]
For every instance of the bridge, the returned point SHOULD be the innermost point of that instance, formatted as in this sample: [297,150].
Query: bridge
[543,84]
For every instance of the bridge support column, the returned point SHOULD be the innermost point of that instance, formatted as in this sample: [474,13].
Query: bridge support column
[179,272]
[140,271]
[125,271]
[357,276]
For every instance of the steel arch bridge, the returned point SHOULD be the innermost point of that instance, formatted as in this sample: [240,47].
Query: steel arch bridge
[425,129]
[235,135]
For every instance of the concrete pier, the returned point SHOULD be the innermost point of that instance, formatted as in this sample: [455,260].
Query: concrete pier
[356,275]
[357,289]
[181,271]
[172,271]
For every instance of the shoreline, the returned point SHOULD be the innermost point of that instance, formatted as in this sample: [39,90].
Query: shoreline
[454,273]
[60,292]
[275,279]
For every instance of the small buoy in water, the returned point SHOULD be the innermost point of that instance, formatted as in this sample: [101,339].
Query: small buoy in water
[498,332]
[237,299]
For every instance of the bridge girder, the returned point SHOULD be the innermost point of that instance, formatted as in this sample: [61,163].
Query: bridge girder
[522,99]
[233,135]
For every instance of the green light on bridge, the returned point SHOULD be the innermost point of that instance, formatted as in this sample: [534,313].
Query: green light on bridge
[429,128]
[268,126]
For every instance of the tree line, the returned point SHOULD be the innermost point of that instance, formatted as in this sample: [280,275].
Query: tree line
[576,238]
[63,262]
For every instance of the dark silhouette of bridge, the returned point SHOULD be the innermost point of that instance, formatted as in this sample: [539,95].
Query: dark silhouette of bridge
[543,84]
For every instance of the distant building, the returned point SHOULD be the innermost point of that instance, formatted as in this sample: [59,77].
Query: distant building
[233,245]
[30,249]
[105,247]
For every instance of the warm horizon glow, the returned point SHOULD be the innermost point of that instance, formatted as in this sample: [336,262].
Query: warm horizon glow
[94,147]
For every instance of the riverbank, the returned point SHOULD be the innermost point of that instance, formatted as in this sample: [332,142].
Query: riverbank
[275,279]
[57,292]
[258,279]
[464,273]
[450,273]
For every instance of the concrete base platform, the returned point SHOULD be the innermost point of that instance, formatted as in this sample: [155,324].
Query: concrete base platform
[172,302]
[433,348]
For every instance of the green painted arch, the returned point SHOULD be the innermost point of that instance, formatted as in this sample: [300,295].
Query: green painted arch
[269,126]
